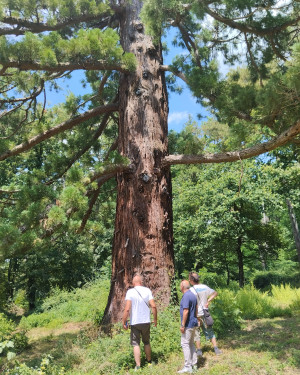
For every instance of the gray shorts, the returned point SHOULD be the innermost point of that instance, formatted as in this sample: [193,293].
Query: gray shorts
[139,330]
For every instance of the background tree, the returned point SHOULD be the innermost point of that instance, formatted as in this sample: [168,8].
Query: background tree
[58,159]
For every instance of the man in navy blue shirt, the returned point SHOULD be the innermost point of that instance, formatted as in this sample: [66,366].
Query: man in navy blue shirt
[189,322]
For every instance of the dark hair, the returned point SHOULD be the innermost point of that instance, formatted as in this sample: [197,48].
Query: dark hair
[193,276]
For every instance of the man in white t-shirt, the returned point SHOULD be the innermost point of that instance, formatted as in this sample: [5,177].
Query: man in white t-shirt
[139,299]
[204,296]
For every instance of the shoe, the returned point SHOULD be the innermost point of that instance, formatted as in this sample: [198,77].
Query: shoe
[217,351]
[149,364]
[137,368]
[199,353]
[185,369]
[195,368]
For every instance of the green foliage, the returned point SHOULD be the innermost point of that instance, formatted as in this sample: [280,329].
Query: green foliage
[226,313]
[285,295]
[257,305]
[74,306]
[210,214]
[45,368]
[11,342]
[265,279]
[6,327]
[20,300]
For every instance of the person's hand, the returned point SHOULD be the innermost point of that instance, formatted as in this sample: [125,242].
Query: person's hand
[206,305]
[125,325]
[154,323]
[182,329]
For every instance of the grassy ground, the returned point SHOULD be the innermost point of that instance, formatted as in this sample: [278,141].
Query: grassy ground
[265,346]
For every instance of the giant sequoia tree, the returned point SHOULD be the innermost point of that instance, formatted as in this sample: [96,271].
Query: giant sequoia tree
[61,157]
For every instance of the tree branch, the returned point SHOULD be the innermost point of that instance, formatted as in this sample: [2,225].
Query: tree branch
[23,26]
[231,156]
[110,171]
[168,68]
[84,149]
[66,125]
[250,29]
[62,67]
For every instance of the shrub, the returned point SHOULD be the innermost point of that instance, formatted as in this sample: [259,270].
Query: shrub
[74,306]
[226,313]
[6,327]
[264,280]
[21,300]
[256,305]
[286,296]
[10,342]
[45,368]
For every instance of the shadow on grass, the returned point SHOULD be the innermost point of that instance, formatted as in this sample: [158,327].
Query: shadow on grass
[278,336]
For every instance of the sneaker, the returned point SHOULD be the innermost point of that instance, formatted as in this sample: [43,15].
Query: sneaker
[199,353]
[217,351]
[195,368]
[149,364]
[137,368]
[185,369]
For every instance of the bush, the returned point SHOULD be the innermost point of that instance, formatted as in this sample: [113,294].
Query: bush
[256,305]
[226,313]
[264,280]
[74,306]
[21,300]
[6,327]
[45,368]
[286,296]
[10,342]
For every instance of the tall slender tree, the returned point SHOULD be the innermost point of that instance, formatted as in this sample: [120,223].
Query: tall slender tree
[46,40]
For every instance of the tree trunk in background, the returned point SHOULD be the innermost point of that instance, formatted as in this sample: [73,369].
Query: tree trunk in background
[241,262]
[143,239]
[294,227]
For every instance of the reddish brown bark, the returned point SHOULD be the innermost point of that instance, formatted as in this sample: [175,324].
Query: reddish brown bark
[143,230]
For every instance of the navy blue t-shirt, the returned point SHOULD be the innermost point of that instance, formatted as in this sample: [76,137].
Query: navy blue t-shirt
[189,301]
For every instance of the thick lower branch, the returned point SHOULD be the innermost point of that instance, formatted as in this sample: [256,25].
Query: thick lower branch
[231,156]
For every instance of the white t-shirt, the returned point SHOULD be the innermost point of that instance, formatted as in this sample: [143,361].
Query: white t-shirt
[202,293]
[140,312]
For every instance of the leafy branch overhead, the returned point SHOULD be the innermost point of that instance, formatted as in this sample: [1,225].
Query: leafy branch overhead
[73,145]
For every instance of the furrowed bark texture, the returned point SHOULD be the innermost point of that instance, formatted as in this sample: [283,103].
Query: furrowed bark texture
[143,240]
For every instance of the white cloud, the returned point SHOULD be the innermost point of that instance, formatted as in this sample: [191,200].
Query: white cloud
[178,117]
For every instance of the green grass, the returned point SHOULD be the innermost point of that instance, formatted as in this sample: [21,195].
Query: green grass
[264,346]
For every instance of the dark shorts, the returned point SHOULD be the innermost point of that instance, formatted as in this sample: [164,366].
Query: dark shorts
[139,330]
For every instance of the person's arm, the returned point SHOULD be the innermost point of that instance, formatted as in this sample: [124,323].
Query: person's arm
[184,319]
[211,297]
[126,314]
[154,311]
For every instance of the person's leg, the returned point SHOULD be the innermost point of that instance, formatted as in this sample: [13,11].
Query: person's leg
[145,331]
[197,341]
[211,336]
[137,355]
[192,347]
[214,341]
[135,338]
[148,352]
[186,347]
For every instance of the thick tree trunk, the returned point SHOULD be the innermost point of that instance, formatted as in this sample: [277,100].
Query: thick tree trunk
[294,227]
[143,240]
